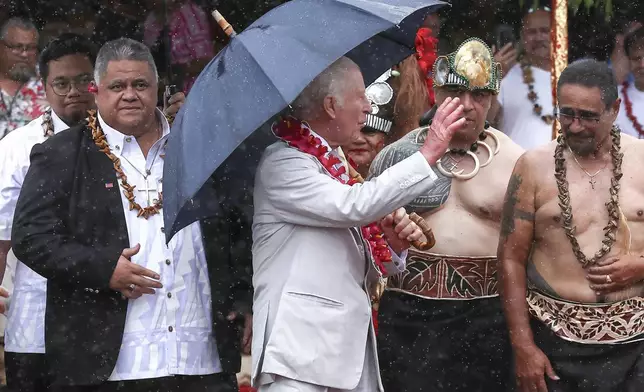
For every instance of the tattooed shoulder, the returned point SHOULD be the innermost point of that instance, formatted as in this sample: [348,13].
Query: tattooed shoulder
[510,210]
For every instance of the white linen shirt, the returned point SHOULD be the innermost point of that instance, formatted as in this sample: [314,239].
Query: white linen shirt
[520,122]
[637,100]
[25,330]
[169,332]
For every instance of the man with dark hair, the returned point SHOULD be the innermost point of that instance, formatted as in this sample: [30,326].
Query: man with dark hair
[631,114]
[126,311]
[22,94]
[581,327]
[66,66]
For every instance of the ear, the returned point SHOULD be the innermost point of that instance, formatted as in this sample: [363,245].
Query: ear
[330,105]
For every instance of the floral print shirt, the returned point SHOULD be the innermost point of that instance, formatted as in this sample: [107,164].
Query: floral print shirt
[16,111]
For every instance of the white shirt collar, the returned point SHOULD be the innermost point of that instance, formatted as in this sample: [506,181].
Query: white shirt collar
[118,140]
[59,125]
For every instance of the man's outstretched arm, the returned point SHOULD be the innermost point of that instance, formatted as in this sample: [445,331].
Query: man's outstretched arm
[515,243]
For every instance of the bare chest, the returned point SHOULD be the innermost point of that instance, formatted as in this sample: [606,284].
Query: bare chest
[481,196]
[588,200]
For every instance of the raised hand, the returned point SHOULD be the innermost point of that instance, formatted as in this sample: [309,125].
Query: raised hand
[506,56]
[446,122]
[131,279]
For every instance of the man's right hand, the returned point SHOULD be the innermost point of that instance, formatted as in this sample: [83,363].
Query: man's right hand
[447,121]
[131,279]
[531,367]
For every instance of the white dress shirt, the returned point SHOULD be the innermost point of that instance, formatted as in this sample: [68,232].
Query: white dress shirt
[169,332]
[25,330]
[637,101]
[520,123]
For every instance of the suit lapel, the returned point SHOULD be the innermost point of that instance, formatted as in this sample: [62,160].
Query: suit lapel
[103,182]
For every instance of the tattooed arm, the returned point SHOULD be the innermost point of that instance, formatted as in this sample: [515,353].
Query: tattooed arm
[515,244]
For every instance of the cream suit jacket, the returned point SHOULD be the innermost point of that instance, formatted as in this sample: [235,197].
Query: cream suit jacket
[311,310]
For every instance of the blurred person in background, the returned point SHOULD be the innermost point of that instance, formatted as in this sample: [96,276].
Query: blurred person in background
[631,112]
[525,101]
[22,94]
[190,36]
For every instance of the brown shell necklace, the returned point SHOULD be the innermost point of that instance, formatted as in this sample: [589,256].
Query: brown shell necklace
[610,231]
[128,190]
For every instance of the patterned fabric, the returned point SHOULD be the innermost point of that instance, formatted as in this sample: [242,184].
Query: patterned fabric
[25,330]
[190,36]
[17,111]
[169,332]
[435,276]
[618,322]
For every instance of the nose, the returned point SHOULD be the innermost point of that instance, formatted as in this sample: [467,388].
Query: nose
[575,126]
[129,94]
[467,101]
[73,91]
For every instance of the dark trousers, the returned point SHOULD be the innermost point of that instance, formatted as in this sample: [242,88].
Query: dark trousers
[221,382]
[26,372]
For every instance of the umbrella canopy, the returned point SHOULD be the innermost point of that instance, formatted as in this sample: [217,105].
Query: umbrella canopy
[261,71]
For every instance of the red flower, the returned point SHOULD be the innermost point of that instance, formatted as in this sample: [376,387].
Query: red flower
[426,46]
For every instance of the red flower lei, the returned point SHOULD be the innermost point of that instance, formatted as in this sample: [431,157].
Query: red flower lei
[426,46]
[298,135]
[629,111]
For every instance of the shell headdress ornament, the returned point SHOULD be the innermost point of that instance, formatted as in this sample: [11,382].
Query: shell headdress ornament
[380,95]
[471,66]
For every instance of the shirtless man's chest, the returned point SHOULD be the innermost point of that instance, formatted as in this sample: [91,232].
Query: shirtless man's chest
[553,256]
[468,224]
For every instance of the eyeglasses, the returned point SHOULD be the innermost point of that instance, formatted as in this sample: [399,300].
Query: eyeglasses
[62,86]
[20,48]
[567,117]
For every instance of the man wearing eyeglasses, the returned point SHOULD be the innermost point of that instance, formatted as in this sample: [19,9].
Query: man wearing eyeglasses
[22,94]
[572,239]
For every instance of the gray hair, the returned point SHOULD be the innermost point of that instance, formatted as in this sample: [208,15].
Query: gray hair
[331,82]
[122,49]
[22,24]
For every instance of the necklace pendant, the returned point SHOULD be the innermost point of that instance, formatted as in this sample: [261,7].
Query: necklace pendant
[592,182]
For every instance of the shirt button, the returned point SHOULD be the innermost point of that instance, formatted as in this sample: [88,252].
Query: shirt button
[128,139]
[167,261]
[117,147]
[163,229]
[169,295]
[170,328]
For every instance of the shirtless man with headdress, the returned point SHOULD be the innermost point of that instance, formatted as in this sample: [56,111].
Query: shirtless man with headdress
[572,237]
[441,323]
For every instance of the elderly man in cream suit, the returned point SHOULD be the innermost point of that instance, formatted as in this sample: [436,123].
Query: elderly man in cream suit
[312,263]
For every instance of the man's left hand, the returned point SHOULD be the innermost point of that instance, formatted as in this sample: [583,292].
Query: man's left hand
[400,231]
[616,273]
[174,104]
[247,336]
